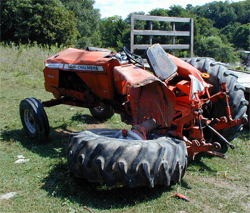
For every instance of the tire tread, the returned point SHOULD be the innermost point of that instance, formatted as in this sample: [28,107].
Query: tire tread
[126,162]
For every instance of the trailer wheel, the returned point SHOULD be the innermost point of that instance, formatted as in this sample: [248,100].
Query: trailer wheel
[219,73]
[34,118]
[102,112]
[104,156]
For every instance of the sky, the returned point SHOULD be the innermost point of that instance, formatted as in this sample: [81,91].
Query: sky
[124,7]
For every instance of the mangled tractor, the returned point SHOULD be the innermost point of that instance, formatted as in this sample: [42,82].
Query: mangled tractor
[177,109]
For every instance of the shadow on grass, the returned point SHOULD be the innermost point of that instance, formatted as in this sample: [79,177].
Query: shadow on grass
[245,134]
[54,146]
[60,183]
[197,162]
[87,119]
[198,165]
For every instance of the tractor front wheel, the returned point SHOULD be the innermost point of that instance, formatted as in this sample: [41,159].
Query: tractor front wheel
[102,112]
[34,118]
[105,156]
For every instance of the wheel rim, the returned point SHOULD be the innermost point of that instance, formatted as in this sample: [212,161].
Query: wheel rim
[29,121]
[119,134]
[130,135]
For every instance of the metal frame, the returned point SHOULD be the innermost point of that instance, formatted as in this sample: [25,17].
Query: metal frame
[152,33]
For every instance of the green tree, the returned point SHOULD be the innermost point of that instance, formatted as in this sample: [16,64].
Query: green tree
[189,7]
[88,21]
[113,29]
[205,27]
[241,37]
[213,46]
[122,33]
[177,11]
[159,12]
[242,10]
[43,21]
[227,20]
[160,25]
[139,24]
[222,13]
[230,30]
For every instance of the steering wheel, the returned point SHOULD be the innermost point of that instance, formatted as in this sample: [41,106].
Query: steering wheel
[133,58]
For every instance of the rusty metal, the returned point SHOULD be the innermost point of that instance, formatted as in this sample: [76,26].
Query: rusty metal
[221,137]
[145,127]
[125,133]
[169,103]
[217,154]
[183,197]
[196,147]
[223,122]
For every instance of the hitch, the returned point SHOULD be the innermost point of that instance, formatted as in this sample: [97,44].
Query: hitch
[221,137]
[196,147]
[143,128]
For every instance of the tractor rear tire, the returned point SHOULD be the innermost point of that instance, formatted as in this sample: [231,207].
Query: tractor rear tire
[102,112]
[96,155]
[219,73]
[34,118]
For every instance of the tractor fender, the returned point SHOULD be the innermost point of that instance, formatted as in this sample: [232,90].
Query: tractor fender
[129,75]
[149,97]
[153,100]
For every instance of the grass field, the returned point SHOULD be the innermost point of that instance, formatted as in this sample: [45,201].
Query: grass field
[43,184]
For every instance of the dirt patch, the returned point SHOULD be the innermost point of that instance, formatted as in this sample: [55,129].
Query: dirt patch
[97,126]
[230,192]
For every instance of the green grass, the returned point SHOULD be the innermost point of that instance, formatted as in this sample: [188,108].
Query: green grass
[44,184]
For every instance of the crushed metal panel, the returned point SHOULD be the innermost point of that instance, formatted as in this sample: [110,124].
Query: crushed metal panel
[129,75]
[153,100]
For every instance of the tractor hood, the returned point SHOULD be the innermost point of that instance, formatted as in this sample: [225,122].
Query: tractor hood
[76,59]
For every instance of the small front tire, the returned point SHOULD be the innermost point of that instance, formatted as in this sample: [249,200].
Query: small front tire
[102,112]
[34,118]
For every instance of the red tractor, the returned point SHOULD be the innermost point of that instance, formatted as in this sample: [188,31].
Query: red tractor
[177,109]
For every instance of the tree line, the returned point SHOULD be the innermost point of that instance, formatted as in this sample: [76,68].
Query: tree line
[221,28]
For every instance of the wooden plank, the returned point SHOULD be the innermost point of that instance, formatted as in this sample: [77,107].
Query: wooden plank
[132,35]
[151,32]
[161,33]
[160,18]
[151,28]
[192,37]
[164,46]
[173,39]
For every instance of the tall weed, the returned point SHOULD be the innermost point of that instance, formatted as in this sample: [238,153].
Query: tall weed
[25,59]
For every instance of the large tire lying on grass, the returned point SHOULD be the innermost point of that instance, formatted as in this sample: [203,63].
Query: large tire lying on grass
[99,156]
[219,73]
[34,118]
